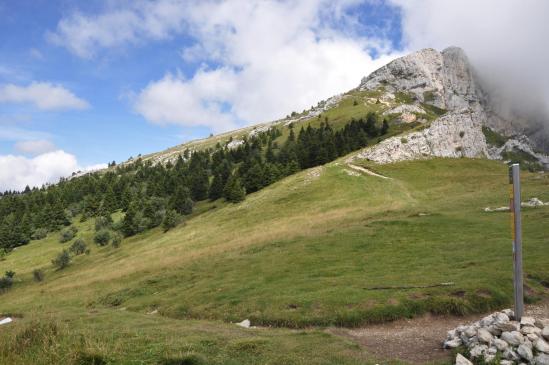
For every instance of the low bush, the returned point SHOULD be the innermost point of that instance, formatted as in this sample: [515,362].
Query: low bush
[62,260]
[116,240]
[39,234]
[102,237]
[38,275]
[7,281]
[68,234]
[78,247]
[103,223]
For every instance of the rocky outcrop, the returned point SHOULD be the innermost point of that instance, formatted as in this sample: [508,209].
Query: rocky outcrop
[500,336]
[453,135]
[447,81]
[443,79]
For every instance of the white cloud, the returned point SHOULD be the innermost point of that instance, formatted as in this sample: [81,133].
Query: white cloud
[505,41]
[35,147]
[275,57]
[43,95]
[142,20]
[16,172]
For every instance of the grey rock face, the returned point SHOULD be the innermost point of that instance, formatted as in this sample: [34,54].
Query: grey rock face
[545,332]
[443,79]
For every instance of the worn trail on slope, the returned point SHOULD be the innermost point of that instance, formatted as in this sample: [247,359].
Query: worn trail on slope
[366,171]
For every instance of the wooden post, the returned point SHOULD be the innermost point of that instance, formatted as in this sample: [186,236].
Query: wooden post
[514,179]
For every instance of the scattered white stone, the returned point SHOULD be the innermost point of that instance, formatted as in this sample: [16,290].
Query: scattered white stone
[542,359]
[541,346]
[532,337]
[500,344]
[452,344]
[508,326]
[478,350]
[545,332]
[510,355]
[525,352]
[527,321]
[6,321]
[484,336]
[541,323]
[512,338]
[245,323]
[506,362]
[526,330]
[462,360]
[533,202]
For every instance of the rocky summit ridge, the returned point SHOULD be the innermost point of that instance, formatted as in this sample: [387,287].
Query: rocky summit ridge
[447,81]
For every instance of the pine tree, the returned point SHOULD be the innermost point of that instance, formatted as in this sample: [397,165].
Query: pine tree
[181,201]
[109,201]
[234,191]
[130,224]
[384,127]
[170,220]
[216,188]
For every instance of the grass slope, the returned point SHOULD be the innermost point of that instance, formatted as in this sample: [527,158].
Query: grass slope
[305,251]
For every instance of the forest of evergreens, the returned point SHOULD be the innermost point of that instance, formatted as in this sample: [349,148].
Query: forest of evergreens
[153,195]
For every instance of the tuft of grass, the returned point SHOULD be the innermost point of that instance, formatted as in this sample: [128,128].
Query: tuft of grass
[493,138]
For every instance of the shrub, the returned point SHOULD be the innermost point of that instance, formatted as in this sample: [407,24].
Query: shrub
[38,275]
[461,134]
[116,240]
[39,234]
[7,281]
[102,237]
[403,140]
[170,220]
[68,234]
[78,247]
[103,223]
[62,260]
[3,253]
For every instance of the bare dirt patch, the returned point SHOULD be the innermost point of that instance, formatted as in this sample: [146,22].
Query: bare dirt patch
[418,340]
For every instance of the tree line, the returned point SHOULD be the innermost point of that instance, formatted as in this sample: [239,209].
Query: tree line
[152,195]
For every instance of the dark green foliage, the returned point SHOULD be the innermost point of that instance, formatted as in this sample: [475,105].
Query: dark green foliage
[130,222]
[182,202]
[6,281]
[234,191]
[145,192]
[102,237]
[39,234]
[103,222]
[171,219]
[493,138]
[116,240]
[68,234]
[62,260]
[78,247]
[38,275]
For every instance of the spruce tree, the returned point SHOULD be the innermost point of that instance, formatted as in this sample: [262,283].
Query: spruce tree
[234,191]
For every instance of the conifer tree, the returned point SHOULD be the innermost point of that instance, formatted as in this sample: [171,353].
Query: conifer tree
[234,191]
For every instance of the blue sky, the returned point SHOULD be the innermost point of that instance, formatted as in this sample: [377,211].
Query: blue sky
[87,82]
[110,128]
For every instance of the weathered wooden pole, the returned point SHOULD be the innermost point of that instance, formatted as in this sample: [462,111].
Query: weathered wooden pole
[514,179]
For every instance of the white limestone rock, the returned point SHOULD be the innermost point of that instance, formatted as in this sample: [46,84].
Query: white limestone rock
[462,360]
[525,352]
[541,346]
[513,338]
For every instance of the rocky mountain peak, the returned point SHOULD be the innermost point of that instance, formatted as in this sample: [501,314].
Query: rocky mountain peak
[443,79]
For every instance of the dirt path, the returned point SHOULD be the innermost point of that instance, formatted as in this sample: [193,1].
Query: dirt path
[366,171]
[417,340]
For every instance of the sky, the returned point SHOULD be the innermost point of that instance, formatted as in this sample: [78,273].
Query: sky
[85,83]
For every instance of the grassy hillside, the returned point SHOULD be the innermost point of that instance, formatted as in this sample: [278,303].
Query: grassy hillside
[310,250]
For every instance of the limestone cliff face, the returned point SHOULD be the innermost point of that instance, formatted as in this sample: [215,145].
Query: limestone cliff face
[447,81]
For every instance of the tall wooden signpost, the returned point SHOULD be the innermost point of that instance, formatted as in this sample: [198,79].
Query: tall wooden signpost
[514,179]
